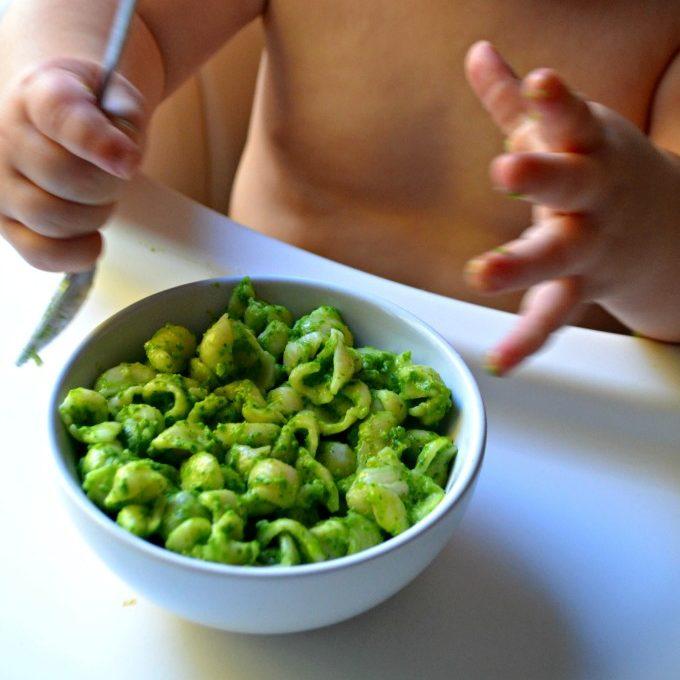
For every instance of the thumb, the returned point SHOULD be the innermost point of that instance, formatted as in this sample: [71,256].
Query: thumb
[60,101]
[124,108]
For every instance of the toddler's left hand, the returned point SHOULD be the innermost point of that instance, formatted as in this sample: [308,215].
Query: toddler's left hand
[592,177]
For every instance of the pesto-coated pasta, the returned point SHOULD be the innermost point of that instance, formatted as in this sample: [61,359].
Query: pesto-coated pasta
[201,472]
[170,348]
[141,423]
[267,441]
[272,484]
[339,458]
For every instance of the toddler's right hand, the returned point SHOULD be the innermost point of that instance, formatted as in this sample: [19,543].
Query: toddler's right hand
[64,162]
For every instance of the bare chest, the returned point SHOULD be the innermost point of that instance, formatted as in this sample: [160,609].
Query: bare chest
[368,146]
[370,97]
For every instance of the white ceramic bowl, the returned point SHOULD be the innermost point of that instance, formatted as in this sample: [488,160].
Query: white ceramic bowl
[271,599]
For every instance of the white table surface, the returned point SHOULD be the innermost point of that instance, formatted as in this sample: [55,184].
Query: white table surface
[567,564]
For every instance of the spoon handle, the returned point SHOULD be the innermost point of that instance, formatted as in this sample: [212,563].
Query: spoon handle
[74,287]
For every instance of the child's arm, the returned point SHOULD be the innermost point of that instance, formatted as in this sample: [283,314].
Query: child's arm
[606,216]
[62,162]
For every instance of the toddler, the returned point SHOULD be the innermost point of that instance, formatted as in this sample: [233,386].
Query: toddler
[367,145]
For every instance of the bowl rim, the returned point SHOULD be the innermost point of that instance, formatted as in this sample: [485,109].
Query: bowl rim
[452,498]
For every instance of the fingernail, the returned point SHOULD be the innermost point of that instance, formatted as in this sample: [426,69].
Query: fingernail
[516,195]
[492,365]
[123,169]
[475,277]
[89,90]
[85,86]
[473,268]
[122,163]
[537,93]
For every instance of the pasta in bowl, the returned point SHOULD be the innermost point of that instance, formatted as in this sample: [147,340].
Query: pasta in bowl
[260,443]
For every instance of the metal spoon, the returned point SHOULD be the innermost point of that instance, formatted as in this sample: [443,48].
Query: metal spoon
[74,287]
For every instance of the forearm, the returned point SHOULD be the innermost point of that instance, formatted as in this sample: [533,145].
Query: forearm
[34,31]
[188,32]
[169,39]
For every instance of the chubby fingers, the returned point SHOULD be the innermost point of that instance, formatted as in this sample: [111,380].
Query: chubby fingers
[61,104]
[568,182]
[539,105]
[555,247]
[545,308]
[51,254]
[57,171]
[563,120]
[496,86]
[47,214]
